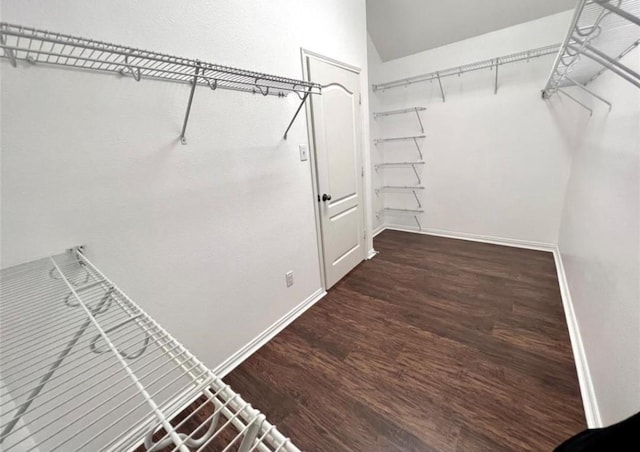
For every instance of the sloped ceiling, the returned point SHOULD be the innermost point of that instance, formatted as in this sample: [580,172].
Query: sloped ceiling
[403,27]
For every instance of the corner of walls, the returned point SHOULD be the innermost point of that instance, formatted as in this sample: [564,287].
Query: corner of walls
[599,244]
[589,400]
[252,346]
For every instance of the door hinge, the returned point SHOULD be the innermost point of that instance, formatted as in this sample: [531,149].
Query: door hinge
[364,235]
[362,171]
[359,99]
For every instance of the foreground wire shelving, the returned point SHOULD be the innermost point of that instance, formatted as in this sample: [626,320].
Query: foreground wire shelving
[20,43]
[600,34]
[84,368]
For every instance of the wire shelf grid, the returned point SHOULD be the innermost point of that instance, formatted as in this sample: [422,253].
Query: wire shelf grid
[600,34]
[476,66]
[84,368]
[20,43]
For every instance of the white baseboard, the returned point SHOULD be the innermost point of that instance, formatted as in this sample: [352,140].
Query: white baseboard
[516,243]
[378,230]
[589,401]
[371,254]
[238,357]
[587,392]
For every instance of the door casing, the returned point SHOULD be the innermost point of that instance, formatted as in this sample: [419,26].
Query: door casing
[304,54]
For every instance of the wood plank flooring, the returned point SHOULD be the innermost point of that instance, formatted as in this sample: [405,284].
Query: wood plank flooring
[434,345]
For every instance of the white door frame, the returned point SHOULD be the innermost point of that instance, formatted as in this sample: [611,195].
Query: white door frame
[304,53]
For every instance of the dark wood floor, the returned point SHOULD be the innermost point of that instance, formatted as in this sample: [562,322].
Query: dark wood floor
[435,344]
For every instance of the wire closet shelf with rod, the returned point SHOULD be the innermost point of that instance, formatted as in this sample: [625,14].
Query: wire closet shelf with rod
[85,368]
[601,34]
[41,47]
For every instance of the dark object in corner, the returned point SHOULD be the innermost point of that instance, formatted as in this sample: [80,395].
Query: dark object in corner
[623,436]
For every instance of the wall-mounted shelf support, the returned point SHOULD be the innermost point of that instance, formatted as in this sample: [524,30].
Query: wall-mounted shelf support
[393,211]
[415,110]
[588,91]
[410,188]
[295,115]
[560,90]
[20,43]
[183,138]
[440,84]
[415,139]
[412,165]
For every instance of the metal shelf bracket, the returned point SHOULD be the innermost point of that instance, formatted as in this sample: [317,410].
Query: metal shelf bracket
[183,138]
[295,115]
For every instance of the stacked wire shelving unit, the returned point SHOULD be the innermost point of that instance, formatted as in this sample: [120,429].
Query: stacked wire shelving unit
[85,368]
[416,166]
[601,33]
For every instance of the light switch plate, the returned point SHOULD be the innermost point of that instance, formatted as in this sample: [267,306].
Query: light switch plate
[304,152]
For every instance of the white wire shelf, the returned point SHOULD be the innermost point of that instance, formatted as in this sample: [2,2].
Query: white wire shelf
[415,110]
[409,138]
[492,63]
[20,43]
[397,211]
[398,112]
[413,165]
[412,189]
[600,34]
[84,368]
[392,211]
[397,164]
[400,187]
[414,138]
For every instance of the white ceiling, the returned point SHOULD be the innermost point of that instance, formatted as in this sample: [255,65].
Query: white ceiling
[403,27]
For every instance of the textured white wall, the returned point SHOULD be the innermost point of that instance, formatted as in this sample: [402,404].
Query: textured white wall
[600,241]
[497,165]
[199,235]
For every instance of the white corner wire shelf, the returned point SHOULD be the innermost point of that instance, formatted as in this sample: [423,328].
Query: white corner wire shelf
[414,138]
[413,189]
[397,164]
[391,211]
[493,63]
[415,110]
[600,34]
[20,43]
[85,368]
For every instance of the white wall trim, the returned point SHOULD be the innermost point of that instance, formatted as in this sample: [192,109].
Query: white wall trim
[516,243]
[371,254]
[589,401]
[378,230]
[238,357]
[587,392]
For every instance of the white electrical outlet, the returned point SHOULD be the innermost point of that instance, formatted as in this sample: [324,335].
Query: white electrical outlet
[289,276]
[304,152]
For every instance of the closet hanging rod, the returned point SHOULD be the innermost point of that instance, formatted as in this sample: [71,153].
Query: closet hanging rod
[459,70]
[21,43]
[601,33]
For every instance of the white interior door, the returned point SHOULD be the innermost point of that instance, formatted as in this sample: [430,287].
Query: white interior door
[337,143]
